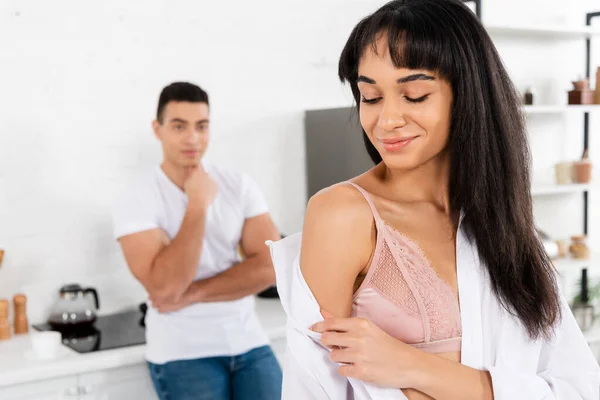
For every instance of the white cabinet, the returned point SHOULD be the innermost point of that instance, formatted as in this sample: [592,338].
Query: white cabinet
[52,389]
[117,384]
[132,382]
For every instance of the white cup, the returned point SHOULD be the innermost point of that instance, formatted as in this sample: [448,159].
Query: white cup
[564,173]
[46,345]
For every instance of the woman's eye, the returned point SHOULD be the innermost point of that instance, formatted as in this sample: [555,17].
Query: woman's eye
[370,101]
[417,100]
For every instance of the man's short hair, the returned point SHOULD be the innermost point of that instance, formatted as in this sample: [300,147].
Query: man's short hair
[179,91]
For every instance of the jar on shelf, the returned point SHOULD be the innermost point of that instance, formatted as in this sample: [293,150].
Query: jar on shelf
[582,169]
[563,247]
[581,93]
[579,248]
[564,173]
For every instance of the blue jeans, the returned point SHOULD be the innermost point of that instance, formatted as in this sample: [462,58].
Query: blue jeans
[255,375]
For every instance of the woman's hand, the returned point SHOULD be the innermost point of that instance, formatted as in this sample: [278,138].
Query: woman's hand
[368,353]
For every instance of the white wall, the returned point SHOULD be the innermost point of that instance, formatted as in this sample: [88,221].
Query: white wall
[79,82]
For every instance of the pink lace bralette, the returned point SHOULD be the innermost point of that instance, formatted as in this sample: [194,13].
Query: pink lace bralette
[404,296]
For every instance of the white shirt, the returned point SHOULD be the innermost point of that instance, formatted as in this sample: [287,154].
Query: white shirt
[492,340]
[202,329]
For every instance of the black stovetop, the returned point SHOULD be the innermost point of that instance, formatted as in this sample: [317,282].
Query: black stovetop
[107,332]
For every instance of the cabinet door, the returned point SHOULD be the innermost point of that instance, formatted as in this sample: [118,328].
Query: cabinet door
[117,384]
[51,389]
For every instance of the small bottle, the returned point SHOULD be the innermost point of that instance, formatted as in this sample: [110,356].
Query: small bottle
[528,98]
[20,323]
[4,324]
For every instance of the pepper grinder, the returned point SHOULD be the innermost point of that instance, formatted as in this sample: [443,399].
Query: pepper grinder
[20,323]
[4,324]
[582,310]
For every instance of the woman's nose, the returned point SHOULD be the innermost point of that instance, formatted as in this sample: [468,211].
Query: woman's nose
[391,117]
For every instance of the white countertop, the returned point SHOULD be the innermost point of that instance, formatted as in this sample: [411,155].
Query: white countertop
[16,368]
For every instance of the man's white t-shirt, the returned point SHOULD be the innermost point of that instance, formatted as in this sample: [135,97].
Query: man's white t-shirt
[202,329]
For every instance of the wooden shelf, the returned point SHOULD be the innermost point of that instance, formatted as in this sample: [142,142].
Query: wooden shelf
[544,190]
[584,108]
[544,31]
[558,109]
[544,109]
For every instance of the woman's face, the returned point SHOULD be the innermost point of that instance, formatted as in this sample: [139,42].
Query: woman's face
[405,113]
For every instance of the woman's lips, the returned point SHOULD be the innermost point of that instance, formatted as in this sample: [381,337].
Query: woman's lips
[398,144]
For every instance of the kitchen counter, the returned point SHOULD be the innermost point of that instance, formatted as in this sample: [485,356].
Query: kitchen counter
[16,368]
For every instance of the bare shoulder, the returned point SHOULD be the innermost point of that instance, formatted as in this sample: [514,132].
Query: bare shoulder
[341,203]
[338,224]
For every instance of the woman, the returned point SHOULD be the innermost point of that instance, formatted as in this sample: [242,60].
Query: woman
[426,268]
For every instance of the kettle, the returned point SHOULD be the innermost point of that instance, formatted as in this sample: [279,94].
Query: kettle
[76,306]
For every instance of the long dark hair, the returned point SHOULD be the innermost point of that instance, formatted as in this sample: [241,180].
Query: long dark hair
[489,151]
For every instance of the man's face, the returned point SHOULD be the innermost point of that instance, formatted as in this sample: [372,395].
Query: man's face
[183,132]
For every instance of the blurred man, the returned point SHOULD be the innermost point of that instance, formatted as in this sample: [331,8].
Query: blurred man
[180,228]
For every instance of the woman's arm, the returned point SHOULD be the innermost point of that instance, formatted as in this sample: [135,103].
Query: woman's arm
[445,379]
[564,368]
[337,241]
[371,355]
